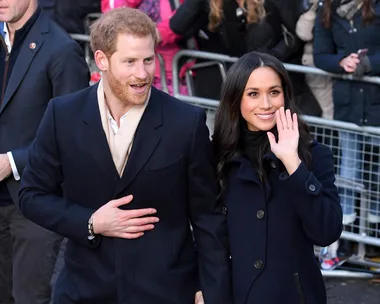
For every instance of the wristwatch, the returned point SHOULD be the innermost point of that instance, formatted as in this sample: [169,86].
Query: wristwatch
[91,235]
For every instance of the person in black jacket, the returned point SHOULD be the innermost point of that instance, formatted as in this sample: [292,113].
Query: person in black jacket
[236,27]
[107,182]
[38,61]
[277,185]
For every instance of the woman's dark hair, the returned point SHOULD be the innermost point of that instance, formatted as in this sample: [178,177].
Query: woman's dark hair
[229,121]
[368,12]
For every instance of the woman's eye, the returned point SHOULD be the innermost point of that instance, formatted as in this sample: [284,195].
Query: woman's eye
[275,92]
[252,94]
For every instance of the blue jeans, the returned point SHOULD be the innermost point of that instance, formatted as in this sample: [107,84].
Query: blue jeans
[354,168]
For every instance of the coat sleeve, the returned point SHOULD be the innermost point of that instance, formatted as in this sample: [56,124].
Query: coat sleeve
[305,24]
[289,44]
[68,72]
[167,35]
[40,196]
[207,218]
[316,197]
[326,56]
[189,18]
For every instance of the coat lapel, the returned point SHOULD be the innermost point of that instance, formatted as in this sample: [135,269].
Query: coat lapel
[247,173]
[94,139]
[145,141]
[32,44]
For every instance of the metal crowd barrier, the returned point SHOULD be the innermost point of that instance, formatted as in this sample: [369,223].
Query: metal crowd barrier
[87,22]
[363,191]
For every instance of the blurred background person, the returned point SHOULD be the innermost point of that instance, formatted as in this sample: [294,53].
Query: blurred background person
[321,86]
[346,41]
[38,61]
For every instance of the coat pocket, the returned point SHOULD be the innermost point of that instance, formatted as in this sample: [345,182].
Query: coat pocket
[300,293]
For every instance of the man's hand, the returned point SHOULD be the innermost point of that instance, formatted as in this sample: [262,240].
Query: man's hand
[199,298]
[111,221]
[5,167]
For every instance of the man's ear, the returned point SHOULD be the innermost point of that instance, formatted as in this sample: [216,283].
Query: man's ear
[102,61]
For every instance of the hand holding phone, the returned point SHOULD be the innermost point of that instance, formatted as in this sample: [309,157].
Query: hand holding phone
[362,52]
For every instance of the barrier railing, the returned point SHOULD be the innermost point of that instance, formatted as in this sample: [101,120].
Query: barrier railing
[228,59]
[362,192]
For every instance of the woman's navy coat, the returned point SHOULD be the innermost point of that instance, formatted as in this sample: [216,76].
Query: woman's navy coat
[354,101]
[273,227]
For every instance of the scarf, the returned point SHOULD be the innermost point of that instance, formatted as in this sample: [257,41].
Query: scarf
[348,8]
[250,142]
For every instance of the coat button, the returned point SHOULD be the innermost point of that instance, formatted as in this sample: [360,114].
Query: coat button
[273,165]
[258,264]
[224,210]
[260,214]
[312,188]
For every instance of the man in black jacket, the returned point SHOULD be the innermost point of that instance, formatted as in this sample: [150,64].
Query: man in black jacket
[38,61]
[126,137]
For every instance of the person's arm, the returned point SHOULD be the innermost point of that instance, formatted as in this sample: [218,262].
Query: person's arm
[207,219]
[42,200]
[289,44]
[189,18]
[316,197]
[305,24]
[68,72]
[325,52]
[166,33]
[40,195]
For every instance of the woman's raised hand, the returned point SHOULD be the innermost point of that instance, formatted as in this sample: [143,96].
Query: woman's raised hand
[286,148]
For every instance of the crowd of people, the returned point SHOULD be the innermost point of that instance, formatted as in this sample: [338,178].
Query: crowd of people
[151,210]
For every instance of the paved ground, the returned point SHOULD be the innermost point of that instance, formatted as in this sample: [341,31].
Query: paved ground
[349,291]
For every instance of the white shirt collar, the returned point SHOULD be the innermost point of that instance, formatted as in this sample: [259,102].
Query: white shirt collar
[7,38]
[112,121]
[114,126]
